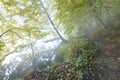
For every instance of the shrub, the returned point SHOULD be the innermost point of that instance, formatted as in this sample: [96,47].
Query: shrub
[74,48]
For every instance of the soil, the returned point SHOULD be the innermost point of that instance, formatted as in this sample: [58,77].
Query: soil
[107,65]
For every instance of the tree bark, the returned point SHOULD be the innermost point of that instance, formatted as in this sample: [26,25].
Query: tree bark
[54,27]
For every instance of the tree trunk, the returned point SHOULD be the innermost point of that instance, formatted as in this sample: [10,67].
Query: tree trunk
[61,37]
[99,19]
[32,49]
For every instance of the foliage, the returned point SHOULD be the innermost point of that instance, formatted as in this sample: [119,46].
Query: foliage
[2,45]
[74,48]
[21,19]
[77,54]
[111,33]
[73,13]
[24,20]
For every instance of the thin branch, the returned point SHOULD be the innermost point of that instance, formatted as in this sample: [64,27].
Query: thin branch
[100,20]
[16,34]
[33,53]
[9,30]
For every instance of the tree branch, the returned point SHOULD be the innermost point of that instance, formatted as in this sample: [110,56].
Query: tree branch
[9,30]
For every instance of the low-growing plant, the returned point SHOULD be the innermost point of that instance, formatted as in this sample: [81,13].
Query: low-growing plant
[79,53]
[74,48]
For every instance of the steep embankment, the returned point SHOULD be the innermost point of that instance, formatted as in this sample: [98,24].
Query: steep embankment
[109,56]
[104,65]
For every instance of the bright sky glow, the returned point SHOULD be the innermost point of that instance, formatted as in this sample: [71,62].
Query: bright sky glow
[40,44]
[3,12]
[19,19]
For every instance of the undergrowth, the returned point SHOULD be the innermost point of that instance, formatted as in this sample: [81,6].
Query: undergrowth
[79,54]
[73,61]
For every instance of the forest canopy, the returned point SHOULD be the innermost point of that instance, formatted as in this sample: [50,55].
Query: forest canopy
[80,13]
[25,19]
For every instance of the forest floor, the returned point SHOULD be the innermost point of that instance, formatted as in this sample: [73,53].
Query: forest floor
[109,57]
[106,65]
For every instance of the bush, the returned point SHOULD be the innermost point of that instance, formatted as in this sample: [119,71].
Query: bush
[74,48]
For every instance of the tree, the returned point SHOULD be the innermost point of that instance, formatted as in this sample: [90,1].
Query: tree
[73,13]
[57,32]
[17,18]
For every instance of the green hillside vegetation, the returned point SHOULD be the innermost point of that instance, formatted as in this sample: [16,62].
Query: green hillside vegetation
[89,31]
